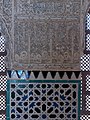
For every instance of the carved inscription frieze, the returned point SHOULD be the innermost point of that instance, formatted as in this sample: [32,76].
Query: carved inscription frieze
[47,8]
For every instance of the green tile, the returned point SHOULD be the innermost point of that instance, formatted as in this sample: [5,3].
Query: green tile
[41,81]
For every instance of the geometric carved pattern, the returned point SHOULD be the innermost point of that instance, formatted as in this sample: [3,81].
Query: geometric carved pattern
[58,57]
[2,117]
[51,35]
[85,62]
[43,100]
[39,42]
[2,102]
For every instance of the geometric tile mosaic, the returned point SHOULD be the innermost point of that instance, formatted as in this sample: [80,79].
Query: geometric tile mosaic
[43,100]
[2,102]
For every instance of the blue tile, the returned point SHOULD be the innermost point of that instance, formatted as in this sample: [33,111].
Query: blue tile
[37,99]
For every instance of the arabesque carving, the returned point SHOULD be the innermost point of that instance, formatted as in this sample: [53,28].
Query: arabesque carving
[45,35]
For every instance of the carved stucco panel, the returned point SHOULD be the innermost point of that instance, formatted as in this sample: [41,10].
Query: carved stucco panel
[6,27]
[44,35]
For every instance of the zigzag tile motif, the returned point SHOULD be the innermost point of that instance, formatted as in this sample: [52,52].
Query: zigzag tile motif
[43,100]
[39,75]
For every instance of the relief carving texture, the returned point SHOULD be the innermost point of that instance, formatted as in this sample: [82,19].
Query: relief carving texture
[6,27]
[44,34]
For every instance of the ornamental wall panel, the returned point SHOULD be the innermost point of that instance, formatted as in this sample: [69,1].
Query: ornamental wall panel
[42,35]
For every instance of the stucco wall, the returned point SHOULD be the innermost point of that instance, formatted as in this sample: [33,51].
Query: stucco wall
[43,34]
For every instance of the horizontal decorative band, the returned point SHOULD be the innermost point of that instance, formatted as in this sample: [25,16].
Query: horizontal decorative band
[24,74]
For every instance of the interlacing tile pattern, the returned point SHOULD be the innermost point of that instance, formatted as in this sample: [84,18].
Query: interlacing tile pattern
[43,100]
